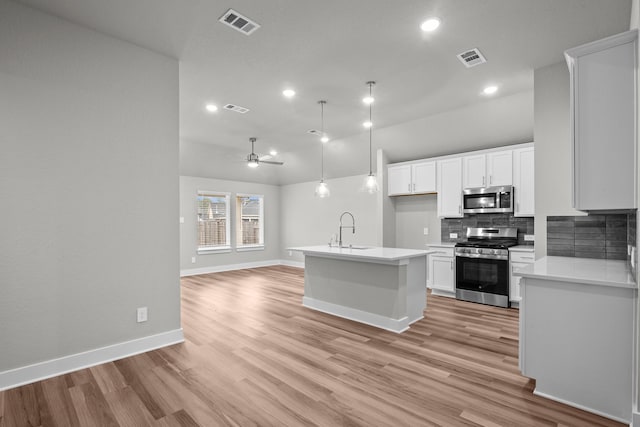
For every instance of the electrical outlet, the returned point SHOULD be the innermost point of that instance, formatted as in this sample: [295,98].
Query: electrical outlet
[142,314]
[529,238]
[290,253]
[426,231]
[181,220]
[193,260]
[453,235]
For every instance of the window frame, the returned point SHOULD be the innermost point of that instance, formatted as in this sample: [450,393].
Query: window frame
[218,248]
[238,222]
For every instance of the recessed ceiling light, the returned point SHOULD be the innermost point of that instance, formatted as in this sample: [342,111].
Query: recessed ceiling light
[289,93]
[368,99]
[490,90]
[367,124]
[324,138]
[212,108]
[430,24]
[273,152]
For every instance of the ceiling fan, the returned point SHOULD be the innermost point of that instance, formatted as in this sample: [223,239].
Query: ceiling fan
[253,160]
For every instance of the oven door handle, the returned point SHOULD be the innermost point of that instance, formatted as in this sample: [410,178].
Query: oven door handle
[484,256]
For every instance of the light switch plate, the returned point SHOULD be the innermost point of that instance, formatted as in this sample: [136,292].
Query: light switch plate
[529,238]
[181,220]
[426,231]
[453,235]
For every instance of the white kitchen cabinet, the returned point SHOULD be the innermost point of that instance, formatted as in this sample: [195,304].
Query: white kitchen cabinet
[474,171]
[488,170]
[415,178]
[603,94]
[524,182]
[518,259]
[500,168]
[441,267]
[449,184]
[399,180]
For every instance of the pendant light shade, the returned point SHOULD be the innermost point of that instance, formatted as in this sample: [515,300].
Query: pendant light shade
[370,182]
[322,189]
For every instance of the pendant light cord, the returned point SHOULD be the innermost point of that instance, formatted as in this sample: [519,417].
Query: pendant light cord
[370,131]
[322,143]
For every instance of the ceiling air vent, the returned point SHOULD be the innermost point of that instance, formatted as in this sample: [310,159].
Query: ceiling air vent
[239,22]
[236,108]
[471,58]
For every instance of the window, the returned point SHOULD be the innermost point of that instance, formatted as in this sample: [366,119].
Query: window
[249,222]
[213,222]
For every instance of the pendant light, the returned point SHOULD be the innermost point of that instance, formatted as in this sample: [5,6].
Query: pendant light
[370,183]
[322,189]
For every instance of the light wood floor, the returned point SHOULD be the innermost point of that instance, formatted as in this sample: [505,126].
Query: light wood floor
[254,356]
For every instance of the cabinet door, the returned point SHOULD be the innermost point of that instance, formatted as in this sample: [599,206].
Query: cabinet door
[399,180]
[441,272]
[603,113]
[449,184]
[424,177]
[474,171]
[524,182]
[500,168]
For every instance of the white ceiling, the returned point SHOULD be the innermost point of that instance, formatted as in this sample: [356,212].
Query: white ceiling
[327,50]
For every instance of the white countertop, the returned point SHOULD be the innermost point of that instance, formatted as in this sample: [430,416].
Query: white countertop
[373,253]
[441,245]
[602,272]
[522,248]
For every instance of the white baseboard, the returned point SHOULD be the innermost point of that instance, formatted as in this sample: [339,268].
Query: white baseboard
[393,325]
[63,365]
[289,263]
[584,408]
[228,267]
[440,293]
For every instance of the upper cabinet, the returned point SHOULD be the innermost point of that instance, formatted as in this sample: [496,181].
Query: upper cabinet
[449,203]
[603,122]
[487,170]
[415,178]
[523,182]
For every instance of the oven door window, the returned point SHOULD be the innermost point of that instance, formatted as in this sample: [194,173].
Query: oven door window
[480,201]
[482,275]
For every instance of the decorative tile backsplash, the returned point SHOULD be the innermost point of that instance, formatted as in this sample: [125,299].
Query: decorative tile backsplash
[460,225]
[603,236]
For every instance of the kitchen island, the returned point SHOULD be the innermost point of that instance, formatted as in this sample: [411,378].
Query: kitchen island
[382,287]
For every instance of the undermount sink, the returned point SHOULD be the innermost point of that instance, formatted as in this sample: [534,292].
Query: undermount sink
[354,247]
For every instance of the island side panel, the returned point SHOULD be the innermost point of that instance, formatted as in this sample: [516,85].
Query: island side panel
[578,344]
[416,288]
[367,292]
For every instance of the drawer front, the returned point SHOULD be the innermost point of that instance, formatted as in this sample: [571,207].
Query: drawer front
[522,257]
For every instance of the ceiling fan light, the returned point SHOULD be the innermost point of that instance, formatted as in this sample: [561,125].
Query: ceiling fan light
[324,138]
[252,163]
[367,124]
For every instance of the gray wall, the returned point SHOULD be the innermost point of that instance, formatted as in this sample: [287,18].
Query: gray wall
[308,220]
[189,187]
[553,149]
[413,214]
[88,189]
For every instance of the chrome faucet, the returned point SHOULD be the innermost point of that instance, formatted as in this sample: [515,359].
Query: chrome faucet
[352,226]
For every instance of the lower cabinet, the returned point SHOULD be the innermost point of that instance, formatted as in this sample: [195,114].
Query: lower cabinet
[441,271]
[518,260]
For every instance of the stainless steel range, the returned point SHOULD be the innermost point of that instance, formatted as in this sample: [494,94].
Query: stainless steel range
[482,265]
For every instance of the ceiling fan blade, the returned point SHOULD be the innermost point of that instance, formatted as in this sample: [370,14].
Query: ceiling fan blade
[271,163]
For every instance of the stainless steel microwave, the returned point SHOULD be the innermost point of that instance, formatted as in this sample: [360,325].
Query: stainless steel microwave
[488,199]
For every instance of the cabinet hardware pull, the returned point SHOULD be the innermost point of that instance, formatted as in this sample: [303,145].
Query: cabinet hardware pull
[414,187]
[490,179]
[459,209]
[483,181]
[409,187]
[451,262]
